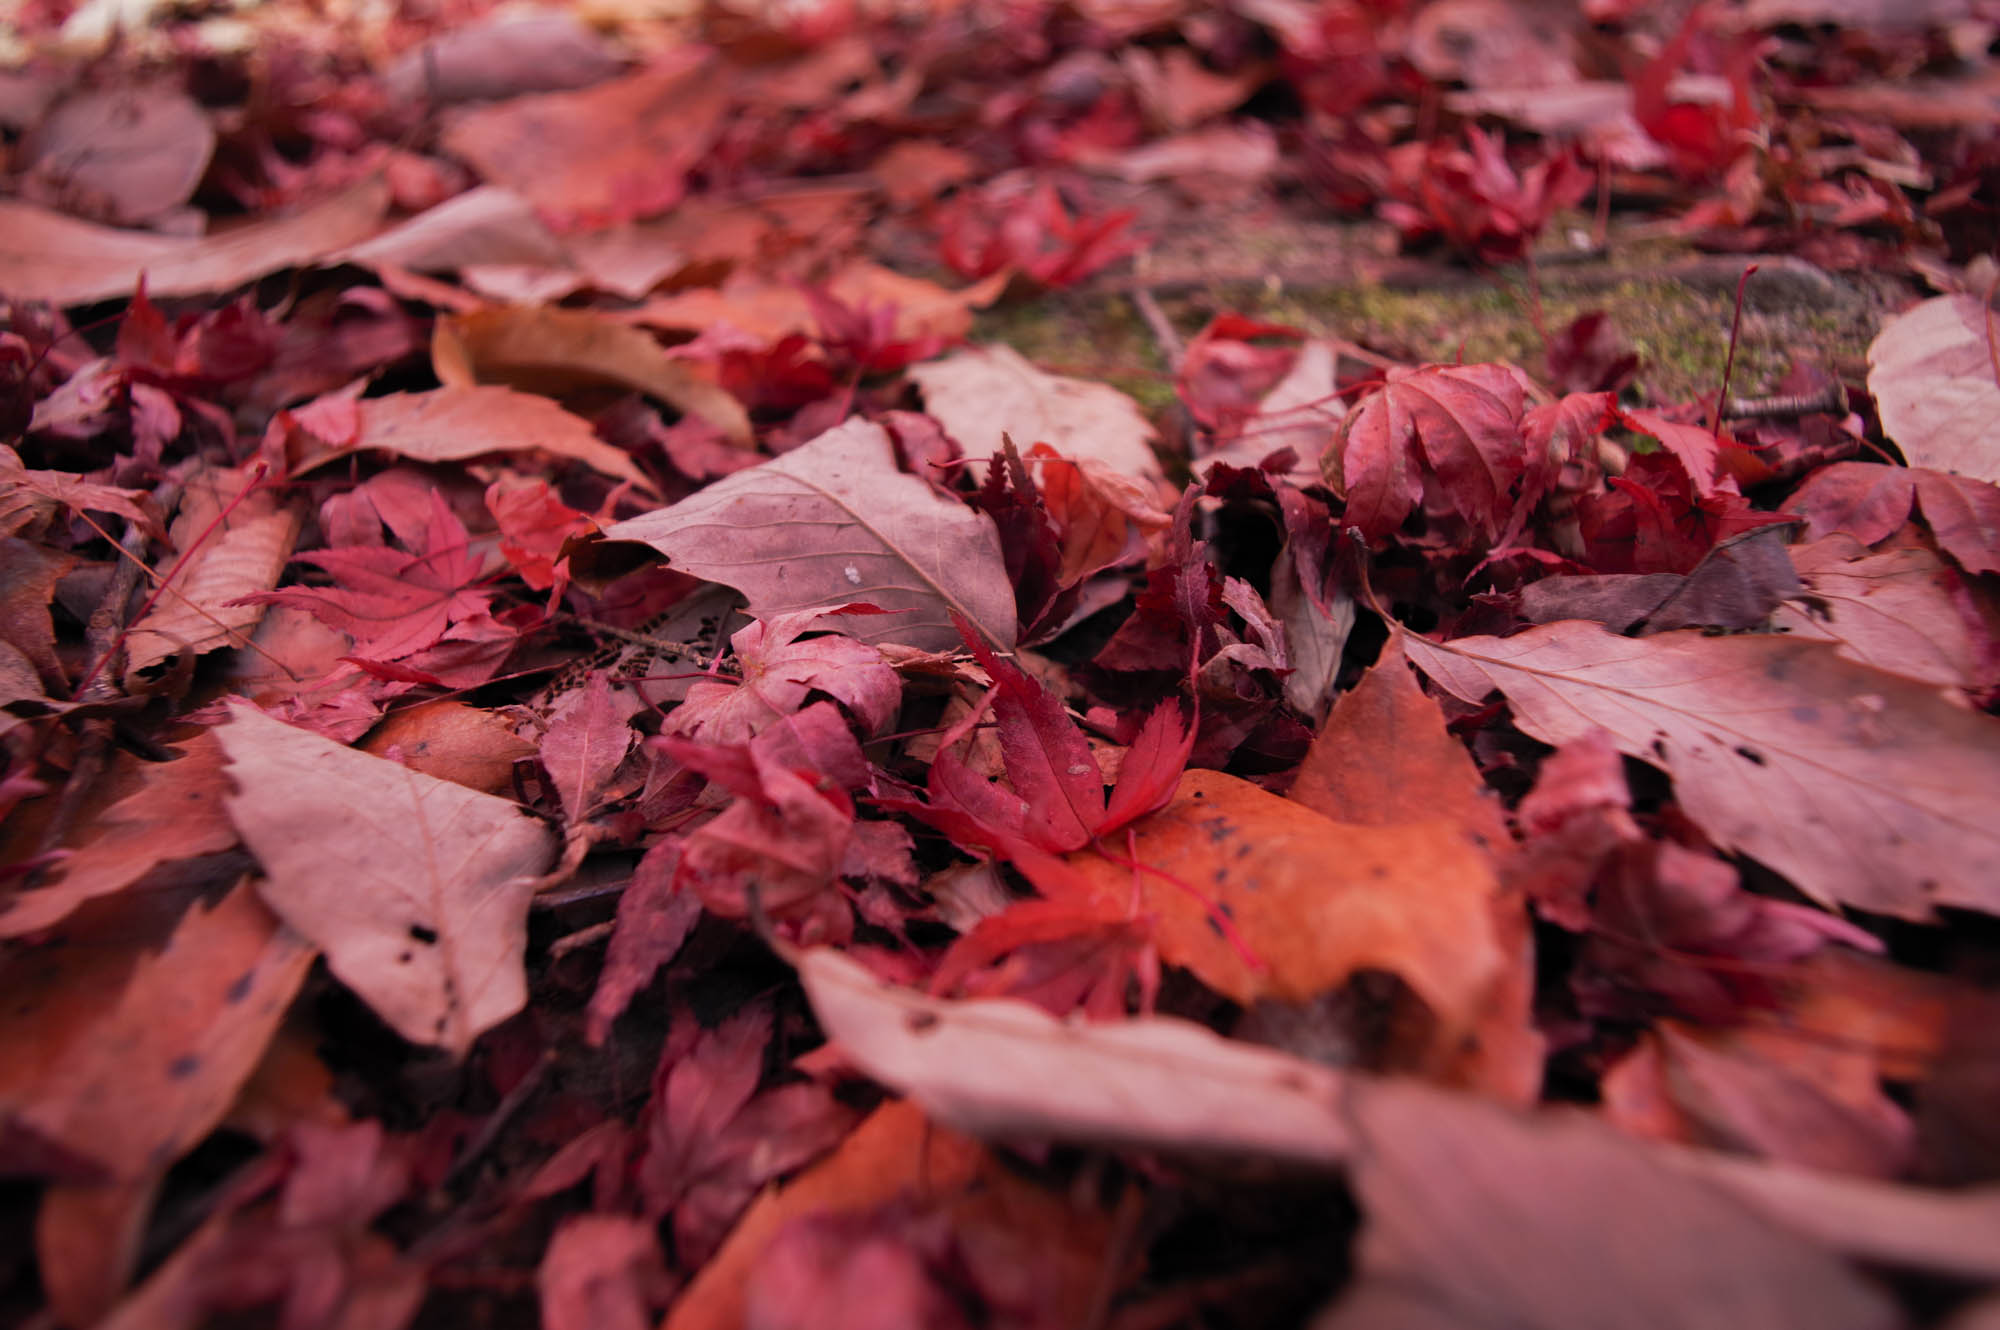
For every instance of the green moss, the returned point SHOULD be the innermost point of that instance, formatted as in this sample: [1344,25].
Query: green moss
[1098,337]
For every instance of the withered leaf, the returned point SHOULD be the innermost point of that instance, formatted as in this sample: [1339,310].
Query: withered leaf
[835,522]
[416,889]
[1776,746]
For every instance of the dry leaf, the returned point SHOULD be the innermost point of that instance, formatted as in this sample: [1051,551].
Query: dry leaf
[1313,900]
[1863,788]
[175,813]
[1000,1067]
[773,310]
[1897,611]
[453,424]
[218,558]
[588,736]
[121,155]
[416,889]
[1932,372]
[47,256]
[548,350]
[834,522]
[1477,1216]
[453,741]
[983,394]
[151,1077]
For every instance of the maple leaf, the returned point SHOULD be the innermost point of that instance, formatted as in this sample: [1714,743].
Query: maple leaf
[777,672]
[394,603]
[1033,232]
[1477,200]
[1455,427]
[534,524]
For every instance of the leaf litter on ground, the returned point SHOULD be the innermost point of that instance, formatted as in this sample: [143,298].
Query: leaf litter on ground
[783,857]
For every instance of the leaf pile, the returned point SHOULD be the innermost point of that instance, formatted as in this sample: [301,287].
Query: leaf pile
[574,746]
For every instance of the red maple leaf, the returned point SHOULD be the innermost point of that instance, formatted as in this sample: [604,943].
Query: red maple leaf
[393,603]
[1456,428]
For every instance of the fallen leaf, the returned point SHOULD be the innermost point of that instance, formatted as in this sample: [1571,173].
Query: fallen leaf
[1899,611]
[150,1078]
[231,539]
[119,155]
[777,671]
[1310,900]
[1001,1068]
[452,741]
[983,394]
[772,311]
[1773,744]
[834,522]
[1476,1216]
[1932,372]
[174,813]
[1459,425]
[893,1152]
[548,350]
[482,227]
[28,498]
[606,154]
[588,736]
[416,889]
[28,578]
[46,256]
[455,424]
[601,1272]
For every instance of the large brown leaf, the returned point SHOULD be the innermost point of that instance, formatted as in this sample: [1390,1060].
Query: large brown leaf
[1864,788]
[1933,374]
[1901,610]
[416,889]
[47,256]
[543,349]
[1312,900]
[454,424]
[835,522]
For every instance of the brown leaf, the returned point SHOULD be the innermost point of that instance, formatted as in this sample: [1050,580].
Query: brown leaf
[1479,1217]
[454,424]
[601,1272]
[548,350]
[1773,745]
[834,522]
[46,256]
[416,889]
[1385,759]
[1932,371]
[148,1079]
[982,394]
[222,553]
[453,741]
[174,813]
[1006,1068]
[1312,900]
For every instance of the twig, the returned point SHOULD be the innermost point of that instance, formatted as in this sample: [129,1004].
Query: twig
[1172,349]
[1832,398]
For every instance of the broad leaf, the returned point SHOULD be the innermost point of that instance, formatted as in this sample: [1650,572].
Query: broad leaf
[834,522]
[1863,788]
[416,889]
[776,672]
[588,737]
[1932,373]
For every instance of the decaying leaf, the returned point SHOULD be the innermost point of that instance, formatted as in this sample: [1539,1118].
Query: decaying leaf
[416,889]
[835,522]
[1864,788]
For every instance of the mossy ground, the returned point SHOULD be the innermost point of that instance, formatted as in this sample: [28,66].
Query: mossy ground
[1679,330]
